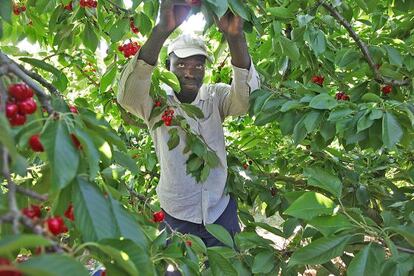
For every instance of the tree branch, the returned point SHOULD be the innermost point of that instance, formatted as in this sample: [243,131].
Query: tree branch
[29,193]
[363,47]
[12,191]
[27,77]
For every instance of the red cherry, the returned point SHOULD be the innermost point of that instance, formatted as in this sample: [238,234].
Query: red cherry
[73,109]
[83,3]
[339,95]
[188,242]
[318,80]
[27,106]
[157,103]
[56,225]
[345,97]
[11,109]
[94,4]
[18,119]
[158,216]
[20,91]
[245,166]
[194,2]
[167,123]
[103,273]
[75,141]
[68,7]
[386,89]
[32,212]
[16,9]
[69,213]
[35,144]
[23,8]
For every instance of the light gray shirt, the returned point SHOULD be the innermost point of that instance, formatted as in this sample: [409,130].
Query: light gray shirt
[180,195]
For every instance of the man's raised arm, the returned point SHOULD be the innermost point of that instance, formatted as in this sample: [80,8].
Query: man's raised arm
[135,80]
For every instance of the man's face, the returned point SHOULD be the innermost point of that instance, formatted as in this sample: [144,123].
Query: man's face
[189,71]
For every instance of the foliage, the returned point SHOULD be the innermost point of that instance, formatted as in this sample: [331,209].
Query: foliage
[339,171]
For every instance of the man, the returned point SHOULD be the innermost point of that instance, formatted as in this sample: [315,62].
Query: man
[189,205]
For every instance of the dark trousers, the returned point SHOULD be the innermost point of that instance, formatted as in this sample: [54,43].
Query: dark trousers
[228,220]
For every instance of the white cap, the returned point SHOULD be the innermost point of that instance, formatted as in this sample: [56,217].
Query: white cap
[188,45]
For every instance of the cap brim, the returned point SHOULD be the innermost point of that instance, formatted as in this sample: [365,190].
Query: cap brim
[188,52]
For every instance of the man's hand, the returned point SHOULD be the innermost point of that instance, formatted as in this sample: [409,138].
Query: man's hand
[172,14]
[230,25]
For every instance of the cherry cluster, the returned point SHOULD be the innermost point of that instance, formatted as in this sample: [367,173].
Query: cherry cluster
[20,103]
[341,96]
[134,29]
[386,89]
[18,9]
[56,224]
[318,80]
[88,3]
[129,49]
[167,117]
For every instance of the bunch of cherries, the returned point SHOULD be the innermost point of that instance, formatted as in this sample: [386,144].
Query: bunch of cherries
[20,103]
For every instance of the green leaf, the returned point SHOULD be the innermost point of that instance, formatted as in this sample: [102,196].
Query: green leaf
[289,48]
[117,256]
[6,10]
[52,265]
[289,105]
[93,216]
[367,261]
[144,24]
[16,242]
[323,101]
[219,264]
[407,232]
[329,225]
[249,240]
[6,137]
[127,226]
[170,79]
[126,161]
[174,139]
[394,56]
[119,29]
[310,205]
[211,159]
[60,81]
[137,254]
[108,78]
[90,39]
[264,262]
[192,111]
[92,153]
[197,244]
[347,58]
[219,7]
[371,97]
[238,7]
[320,251]
[364,122]
[316,40]
[391,130]
[324,179]
[220,233]
[339,114]
[62,155]
[281,12]
[312,120]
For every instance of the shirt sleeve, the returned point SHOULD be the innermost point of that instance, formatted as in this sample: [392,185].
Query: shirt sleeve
[234,98]
[134,87]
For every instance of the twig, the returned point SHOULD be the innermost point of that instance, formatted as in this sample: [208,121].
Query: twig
[28,77]
[137,195]
[363,47]
[129,119]
[118,7]
[12,191]
[29,193]
[406,250]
